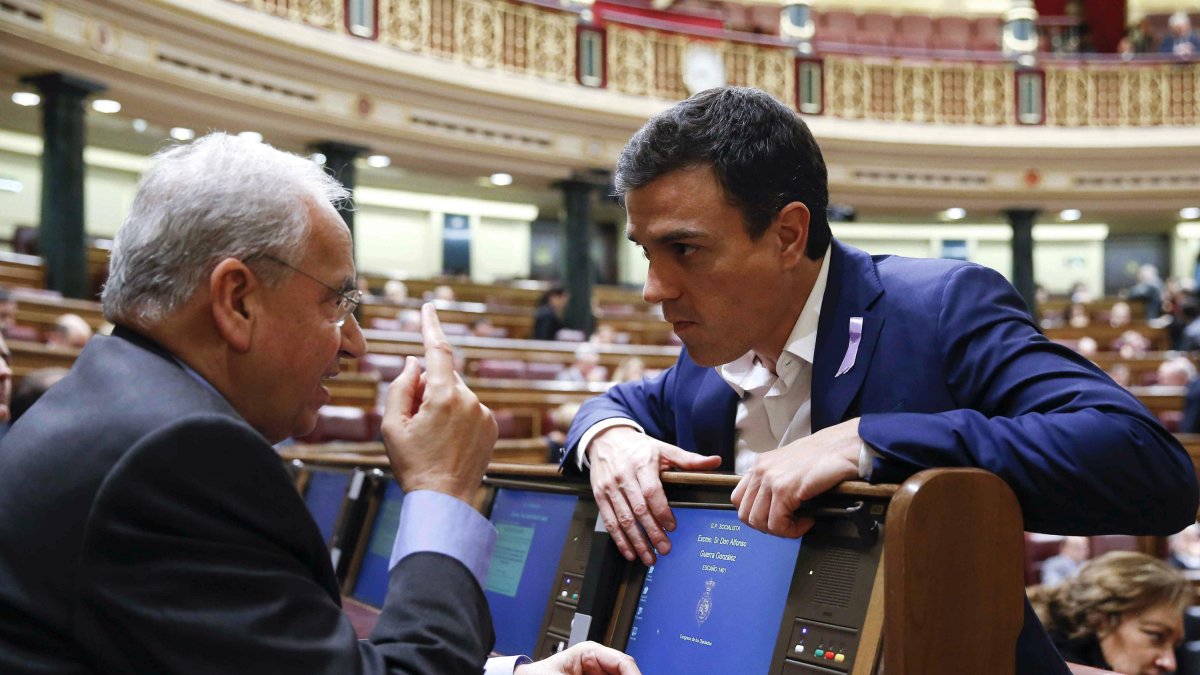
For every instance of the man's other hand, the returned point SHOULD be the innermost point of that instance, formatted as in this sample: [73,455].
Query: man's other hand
[769,495]
[625,466]
[437,433]
[585,658]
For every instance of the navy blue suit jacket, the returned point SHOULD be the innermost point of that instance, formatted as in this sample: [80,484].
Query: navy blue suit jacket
[951,371]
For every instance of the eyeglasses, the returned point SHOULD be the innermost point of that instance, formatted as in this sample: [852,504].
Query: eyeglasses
[348,301]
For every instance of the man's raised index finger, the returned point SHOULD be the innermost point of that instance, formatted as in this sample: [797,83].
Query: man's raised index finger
[439,355]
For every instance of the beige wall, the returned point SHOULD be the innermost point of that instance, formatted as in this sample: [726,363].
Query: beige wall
[397,241]
[20,208]
[499,249]
[1136,9]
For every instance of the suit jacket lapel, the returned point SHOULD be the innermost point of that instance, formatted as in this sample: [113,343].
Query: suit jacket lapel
[851,291]
[713,417]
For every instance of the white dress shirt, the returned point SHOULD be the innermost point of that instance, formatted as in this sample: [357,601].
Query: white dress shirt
[773,409]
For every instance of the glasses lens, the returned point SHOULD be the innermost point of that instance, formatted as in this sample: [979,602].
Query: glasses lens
[347,304]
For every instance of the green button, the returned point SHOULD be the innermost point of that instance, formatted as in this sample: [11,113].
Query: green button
[819,653]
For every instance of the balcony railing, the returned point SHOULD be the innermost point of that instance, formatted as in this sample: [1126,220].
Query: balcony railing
[644,57]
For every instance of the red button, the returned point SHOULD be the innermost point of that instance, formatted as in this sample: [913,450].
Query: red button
[829,656]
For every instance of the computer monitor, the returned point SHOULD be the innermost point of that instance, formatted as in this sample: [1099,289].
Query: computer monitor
[325,495]
[369,584]
[545,527]
[728,598]
[715,602]
[531,530]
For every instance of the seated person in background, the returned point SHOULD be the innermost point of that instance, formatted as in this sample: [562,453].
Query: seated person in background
[1179,371]
[8,311]
[808,362]
[1148,290]
[483,328]
[1176,371]
[1080,293]
[1078,316]
[1071,554]
[409,320]
[1139,39]
[1180,39]
[560,419]
[32,387]
[605,334]
[442,293]
[169,537]
[548,318]
[1122,612]
[1121,374]
[586,367]
[395,291]
[1120,315]
[630,370]
[70,330]
[1087,346]
[1189,333]
[1184,548]
[1131,345]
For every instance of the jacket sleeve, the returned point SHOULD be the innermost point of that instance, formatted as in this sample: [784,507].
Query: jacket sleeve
[1082,454]
[200,557]
[647,402]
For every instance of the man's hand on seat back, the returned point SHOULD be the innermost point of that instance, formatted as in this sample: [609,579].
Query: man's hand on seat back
[625,467]
[781,480]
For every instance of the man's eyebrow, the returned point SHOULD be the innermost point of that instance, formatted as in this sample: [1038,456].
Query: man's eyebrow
[672,236]
[348,284]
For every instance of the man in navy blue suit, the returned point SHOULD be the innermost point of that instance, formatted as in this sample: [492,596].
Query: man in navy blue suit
[808,362]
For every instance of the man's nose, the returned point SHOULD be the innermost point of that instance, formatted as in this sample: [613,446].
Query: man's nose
[659,287]
[354,343]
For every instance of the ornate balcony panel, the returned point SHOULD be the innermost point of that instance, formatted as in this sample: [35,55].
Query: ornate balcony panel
[322,13]
[943,92]
[485,34]
[650,63]
[1107,95]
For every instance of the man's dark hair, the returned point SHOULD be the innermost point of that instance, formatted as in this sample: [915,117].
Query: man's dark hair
[552,292]
[762,153]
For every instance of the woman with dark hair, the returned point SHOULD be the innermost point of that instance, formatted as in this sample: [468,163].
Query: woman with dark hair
[1122,612]
[548,318]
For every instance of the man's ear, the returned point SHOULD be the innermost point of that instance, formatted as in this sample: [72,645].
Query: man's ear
[236,305]
[792,226]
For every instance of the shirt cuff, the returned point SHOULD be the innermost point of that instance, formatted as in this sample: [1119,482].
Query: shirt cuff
[593,431]
[866,461]
[435,522]
[504,665]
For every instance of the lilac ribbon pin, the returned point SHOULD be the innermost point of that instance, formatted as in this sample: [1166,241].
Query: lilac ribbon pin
[856,325]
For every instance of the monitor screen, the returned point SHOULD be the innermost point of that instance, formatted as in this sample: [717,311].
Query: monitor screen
[715,602]
[372,583]
[324,496]
[532,530]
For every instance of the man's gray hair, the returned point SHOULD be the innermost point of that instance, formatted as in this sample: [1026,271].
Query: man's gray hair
[218,197]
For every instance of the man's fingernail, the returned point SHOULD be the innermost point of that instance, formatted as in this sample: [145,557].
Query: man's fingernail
[664,548]
[669,527]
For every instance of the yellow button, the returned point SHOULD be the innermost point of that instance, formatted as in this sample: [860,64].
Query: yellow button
[839,658]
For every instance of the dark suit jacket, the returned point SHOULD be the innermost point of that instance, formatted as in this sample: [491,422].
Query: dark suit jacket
[951,371]
[144,527]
